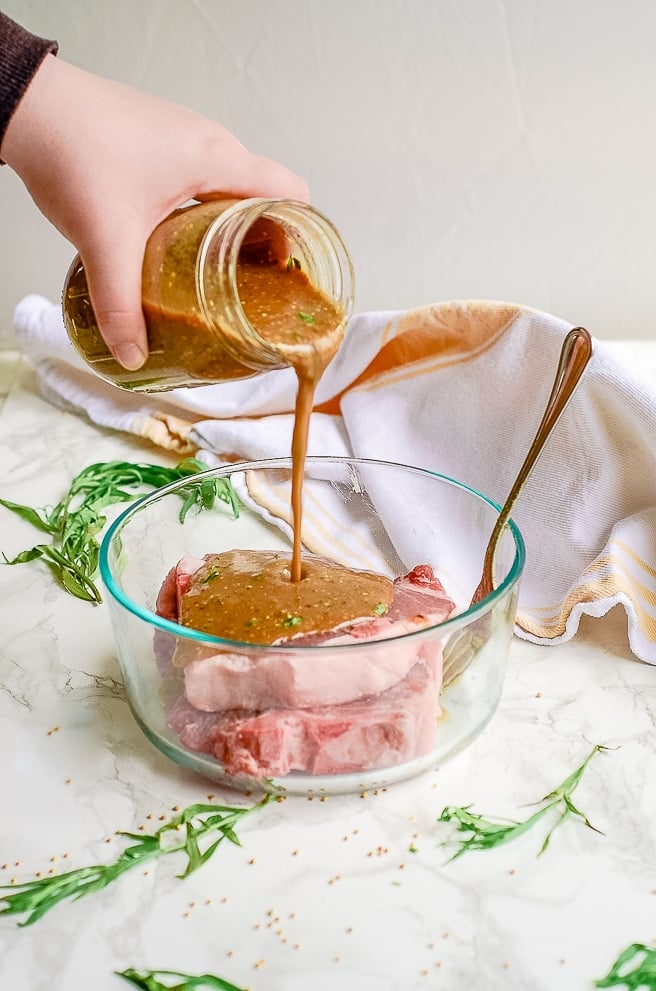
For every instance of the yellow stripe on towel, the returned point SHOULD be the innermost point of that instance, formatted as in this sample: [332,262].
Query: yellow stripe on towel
[323,532]
[615,581]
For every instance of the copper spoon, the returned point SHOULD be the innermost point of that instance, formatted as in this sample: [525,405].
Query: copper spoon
[574,356]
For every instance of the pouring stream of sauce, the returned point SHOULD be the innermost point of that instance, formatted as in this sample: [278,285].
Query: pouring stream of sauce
[306,328]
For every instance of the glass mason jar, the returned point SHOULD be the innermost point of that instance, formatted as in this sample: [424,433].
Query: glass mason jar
[230,288]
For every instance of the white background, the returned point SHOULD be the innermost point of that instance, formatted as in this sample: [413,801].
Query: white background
[500,149]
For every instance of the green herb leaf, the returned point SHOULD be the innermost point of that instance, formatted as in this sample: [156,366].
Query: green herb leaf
[186,833]
[213,575]
[149,980]
[38,518]
[380,609]
[292,621]
[485,833]
[634,969]
[305,317]
[292,262]
[77,521]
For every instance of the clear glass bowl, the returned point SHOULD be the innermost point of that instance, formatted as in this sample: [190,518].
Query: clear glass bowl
[339,727]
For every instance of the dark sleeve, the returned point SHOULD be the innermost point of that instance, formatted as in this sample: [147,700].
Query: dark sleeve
[21,54]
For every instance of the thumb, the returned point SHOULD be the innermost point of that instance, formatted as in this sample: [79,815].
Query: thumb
[113,265]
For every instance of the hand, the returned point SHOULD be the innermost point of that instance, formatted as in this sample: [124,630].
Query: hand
[106,163]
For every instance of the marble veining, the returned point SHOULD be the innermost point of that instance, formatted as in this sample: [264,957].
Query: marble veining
[351,892]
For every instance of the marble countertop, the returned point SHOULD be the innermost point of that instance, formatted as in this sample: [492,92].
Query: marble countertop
[352,892]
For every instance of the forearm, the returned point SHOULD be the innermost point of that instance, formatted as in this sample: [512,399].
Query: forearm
[21,54]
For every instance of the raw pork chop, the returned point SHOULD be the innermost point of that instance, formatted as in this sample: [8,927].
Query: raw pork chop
[221,680]
[370,733]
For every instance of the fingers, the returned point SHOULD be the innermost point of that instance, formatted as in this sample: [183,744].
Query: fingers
[212,163]
[229,168]
[114,278]
[263,177]
[113,258]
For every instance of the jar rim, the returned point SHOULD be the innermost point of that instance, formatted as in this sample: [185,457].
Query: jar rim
[216,268]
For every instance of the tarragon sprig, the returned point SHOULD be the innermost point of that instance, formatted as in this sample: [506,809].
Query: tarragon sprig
[642,975]
[76,522]
[194,832]
[149,980]
[485,833]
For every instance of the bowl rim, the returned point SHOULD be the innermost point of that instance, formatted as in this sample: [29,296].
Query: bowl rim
[161,623]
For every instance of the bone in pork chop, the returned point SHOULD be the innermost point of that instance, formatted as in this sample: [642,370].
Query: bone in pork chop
[264,712]
[218,680]
[370,733]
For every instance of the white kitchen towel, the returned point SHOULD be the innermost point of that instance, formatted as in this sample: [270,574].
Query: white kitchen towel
[455,387]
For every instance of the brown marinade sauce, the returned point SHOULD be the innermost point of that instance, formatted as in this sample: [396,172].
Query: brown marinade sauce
[258,597]
[278,300]
[248,596]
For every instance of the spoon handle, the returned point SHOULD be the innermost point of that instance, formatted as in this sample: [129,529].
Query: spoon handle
[574,356]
